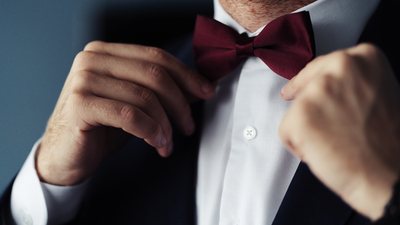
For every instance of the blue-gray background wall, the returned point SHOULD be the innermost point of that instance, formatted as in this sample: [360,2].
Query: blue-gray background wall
[38,42]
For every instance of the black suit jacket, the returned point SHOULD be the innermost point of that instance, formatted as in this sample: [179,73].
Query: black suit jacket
[136,186]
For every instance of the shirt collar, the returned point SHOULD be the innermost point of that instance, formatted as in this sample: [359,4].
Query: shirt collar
[337,24]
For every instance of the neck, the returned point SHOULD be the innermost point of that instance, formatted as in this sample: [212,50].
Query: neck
[253,14]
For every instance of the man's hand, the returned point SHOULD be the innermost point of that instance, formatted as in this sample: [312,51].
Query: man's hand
[345,124]
[114,91]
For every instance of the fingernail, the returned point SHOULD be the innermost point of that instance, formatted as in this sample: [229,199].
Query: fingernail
[190,126]
[206,88]
[170,148]
[162,139]
[283,90]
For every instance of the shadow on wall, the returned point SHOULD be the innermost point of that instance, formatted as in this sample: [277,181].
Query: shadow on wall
[150,25]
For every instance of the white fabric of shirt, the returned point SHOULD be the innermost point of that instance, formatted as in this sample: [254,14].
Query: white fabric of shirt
[240,180]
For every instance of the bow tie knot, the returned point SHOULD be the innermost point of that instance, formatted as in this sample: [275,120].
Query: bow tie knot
[285,45]
[244,46]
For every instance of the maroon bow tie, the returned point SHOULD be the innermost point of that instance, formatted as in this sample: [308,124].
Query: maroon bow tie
[286,45]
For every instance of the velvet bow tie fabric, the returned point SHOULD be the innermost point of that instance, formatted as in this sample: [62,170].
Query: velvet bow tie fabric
[285,45]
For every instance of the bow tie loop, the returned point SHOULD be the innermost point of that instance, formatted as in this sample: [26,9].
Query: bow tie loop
[244,46]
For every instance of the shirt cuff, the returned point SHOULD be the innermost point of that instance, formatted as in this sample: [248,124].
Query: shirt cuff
[35,202]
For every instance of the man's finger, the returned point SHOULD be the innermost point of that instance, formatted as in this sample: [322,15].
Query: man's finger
[286,129]
[96,111]
[187,79]
[297,83]
[148,75]
[127,92]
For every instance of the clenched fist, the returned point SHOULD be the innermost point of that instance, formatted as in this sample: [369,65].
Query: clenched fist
[345,124]
[114,91]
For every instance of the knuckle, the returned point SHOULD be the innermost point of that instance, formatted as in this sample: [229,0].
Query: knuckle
[372,54]
[94,46]
[156,53]
[130,88]
[76,97]
[342,63]
[81,79]
[147,97]
[77,101]
[83,59]
[129,114]
[189,74]
[149,131]
[152,129]
[325,85]
[369,49]
[307,109]
[82,56]
[157,72]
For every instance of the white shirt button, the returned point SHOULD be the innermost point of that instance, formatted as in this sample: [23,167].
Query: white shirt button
[26,218]
[250,132]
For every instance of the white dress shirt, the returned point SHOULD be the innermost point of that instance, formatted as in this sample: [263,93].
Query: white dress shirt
[243,170]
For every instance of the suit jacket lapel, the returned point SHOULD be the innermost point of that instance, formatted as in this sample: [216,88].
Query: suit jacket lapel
[308,201]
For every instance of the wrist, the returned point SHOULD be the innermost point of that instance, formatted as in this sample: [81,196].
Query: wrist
[51,171]
[373,192]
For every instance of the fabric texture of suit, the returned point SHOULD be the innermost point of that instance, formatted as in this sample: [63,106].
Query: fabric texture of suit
[137,186]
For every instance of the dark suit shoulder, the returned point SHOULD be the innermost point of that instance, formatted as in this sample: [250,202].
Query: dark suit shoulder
[181,48]
[382,31]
